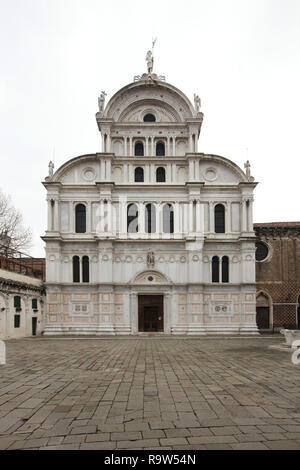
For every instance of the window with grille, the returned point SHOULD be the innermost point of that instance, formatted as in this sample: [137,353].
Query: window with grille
[139,175]
[80,218]
[215,269]
[85,269]
[17,302]
[139,149]
[225,269]
[76,269]
[160,149]
[262,251]
[160,175]
[149,118]
[220,218]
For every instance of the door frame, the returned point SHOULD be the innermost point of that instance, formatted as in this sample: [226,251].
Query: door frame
[160,304]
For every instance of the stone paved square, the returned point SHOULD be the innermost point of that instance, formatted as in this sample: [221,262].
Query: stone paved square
[149,392]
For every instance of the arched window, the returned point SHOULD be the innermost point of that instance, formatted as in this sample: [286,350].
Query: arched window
[225,269]
[160,175]
[215,269]
[132,218]
[150,218]
[76,269]
[139,149]
[219,218]
[168,218]
[160,149]
[149,118]
[85,269]
[80,218]
[139,175]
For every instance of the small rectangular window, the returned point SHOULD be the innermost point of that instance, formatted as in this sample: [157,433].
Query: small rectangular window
[17,322]
[34,304]
[17,302]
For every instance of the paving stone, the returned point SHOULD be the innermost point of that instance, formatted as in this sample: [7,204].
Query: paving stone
[161,425]
[99,437]
[143,443]
[283,445]
[35,443]
[173,441]
[153,433]
[225,431]
[211,440]
[84,392]
[136,426]
[84,430]
[249,446]
[126,436]
[180,432]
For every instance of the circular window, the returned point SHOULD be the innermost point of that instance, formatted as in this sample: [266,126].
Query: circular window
[262,251]
[149,118]
[150,278]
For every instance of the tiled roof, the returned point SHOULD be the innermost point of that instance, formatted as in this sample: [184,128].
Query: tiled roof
[277,224]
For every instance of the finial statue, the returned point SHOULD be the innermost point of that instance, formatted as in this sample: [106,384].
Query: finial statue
[149,58]
[150,259]
[51,168]
[248,171]
[101,101]
[197,102]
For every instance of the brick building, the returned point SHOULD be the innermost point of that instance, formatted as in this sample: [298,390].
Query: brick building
[278,275]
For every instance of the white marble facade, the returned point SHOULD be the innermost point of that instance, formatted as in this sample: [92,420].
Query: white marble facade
[175,260]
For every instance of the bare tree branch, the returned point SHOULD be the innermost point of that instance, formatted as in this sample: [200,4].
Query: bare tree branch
[12,232]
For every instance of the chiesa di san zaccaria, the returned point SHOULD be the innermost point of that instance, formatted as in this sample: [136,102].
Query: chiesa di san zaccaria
[150,235]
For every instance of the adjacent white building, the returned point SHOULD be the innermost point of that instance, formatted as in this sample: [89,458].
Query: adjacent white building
[150,235]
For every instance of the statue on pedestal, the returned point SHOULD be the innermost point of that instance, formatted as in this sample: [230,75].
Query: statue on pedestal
[150,259]
[51,168]
[101,101]
[197,102]
[248,172]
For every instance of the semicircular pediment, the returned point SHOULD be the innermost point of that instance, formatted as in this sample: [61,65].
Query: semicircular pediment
[150,277]
[163,112]
[163,94]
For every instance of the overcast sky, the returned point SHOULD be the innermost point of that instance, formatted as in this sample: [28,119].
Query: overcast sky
[241,56]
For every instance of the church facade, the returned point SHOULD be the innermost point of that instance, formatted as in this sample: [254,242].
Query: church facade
[150,235]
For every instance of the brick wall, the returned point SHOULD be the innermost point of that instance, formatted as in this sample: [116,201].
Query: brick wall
[279,274]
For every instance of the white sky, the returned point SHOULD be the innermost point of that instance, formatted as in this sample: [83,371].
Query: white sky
[241,56]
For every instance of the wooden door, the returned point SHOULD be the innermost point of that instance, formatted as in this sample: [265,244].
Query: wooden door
[262,317]
[151,318]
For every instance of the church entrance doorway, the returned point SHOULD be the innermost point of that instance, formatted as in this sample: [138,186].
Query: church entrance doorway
[151,313]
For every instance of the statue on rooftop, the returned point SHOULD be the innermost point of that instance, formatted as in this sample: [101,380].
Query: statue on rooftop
[101,101]
[197,102]
[51,168]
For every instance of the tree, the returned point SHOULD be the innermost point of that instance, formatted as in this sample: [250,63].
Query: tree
[12,232]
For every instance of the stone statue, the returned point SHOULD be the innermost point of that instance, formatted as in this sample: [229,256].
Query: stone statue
[149,59]
[150,259]
[101,101]
[248,172]
[197,102]
[51,168]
